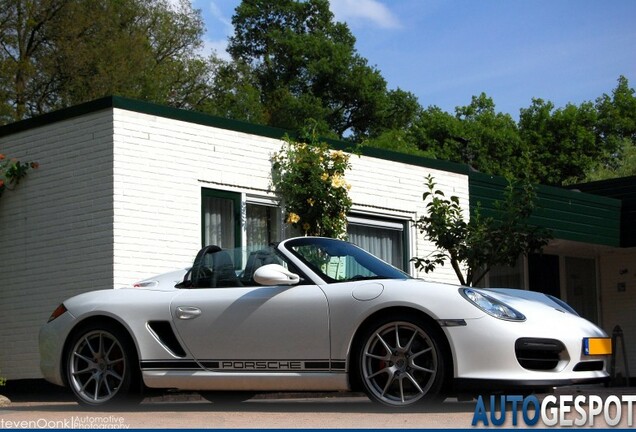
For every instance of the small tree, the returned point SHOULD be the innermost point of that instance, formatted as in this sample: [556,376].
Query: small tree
[12,171]
[309,180]
[481,242]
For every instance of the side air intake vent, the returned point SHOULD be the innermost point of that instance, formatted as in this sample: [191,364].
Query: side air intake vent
[539,354]
[162,330]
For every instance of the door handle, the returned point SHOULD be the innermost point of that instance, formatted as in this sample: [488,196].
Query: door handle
[188,312]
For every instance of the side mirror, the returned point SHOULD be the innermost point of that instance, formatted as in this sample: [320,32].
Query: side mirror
[275,274]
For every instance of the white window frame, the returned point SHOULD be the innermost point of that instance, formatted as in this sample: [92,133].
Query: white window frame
[401,223]
[263,201]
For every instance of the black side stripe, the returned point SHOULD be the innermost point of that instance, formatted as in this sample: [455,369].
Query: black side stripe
[169,364]
[313,365]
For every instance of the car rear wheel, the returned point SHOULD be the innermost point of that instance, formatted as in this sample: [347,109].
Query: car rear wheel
[100,366]
[400,361]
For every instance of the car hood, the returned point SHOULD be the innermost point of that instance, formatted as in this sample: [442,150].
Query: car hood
[535,306]
[506,293]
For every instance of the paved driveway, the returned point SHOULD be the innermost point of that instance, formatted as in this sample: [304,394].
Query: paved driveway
[190,411]
[333,412]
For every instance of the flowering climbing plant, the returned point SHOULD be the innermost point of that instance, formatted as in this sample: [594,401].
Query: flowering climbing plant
[12,171]
[308,178]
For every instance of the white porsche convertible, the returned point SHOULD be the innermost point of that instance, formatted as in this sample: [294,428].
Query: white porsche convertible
[314,314]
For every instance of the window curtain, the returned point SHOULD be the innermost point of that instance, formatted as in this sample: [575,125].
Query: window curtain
[262,225]
[219,222]
[384,243]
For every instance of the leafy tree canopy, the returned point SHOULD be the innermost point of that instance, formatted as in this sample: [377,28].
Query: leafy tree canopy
[476,135]
[548,145]
[56,53]
[307,67]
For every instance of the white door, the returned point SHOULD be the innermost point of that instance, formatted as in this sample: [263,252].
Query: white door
[248,324]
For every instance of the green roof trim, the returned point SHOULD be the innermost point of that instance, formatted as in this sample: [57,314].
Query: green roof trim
[196,117]
[571,215]
[394,156]
[56,116]
[218,122]
[623,188]
[143,108]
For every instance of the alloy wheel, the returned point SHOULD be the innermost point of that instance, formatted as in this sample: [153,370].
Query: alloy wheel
[97,367]
[399,363]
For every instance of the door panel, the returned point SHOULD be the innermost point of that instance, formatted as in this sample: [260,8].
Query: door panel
[253,323]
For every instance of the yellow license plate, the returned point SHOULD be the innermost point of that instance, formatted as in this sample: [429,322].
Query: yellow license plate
[597,346]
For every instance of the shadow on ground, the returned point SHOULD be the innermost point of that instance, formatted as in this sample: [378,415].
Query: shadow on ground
[29,395]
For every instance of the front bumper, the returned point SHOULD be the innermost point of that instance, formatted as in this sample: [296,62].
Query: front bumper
[51,342]
[487,352]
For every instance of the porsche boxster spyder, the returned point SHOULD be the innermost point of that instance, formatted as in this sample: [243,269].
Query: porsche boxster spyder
[314,314]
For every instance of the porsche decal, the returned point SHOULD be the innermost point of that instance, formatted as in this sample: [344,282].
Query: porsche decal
[246,365]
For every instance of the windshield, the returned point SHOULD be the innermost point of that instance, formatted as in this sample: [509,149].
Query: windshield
[339,261]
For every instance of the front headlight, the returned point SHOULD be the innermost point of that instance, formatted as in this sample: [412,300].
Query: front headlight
[491,305]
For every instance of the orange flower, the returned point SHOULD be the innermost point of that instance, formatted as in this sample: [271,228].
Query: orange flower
[35,165]
[2,156]
[1,183]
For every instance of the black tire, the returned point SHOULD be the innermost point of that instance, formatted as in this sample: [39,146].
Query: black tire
[401,362]
[102,367]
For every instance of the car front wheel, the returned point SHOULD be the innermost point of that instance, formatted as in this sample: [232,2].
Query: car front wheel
[400,361]
[100,366]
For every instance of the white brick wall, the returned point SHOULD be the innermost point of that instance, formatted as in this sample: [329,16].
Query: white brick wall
[55,230]
[394,187]
[118,199]
[162,164]
[160,167]
[618,307]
